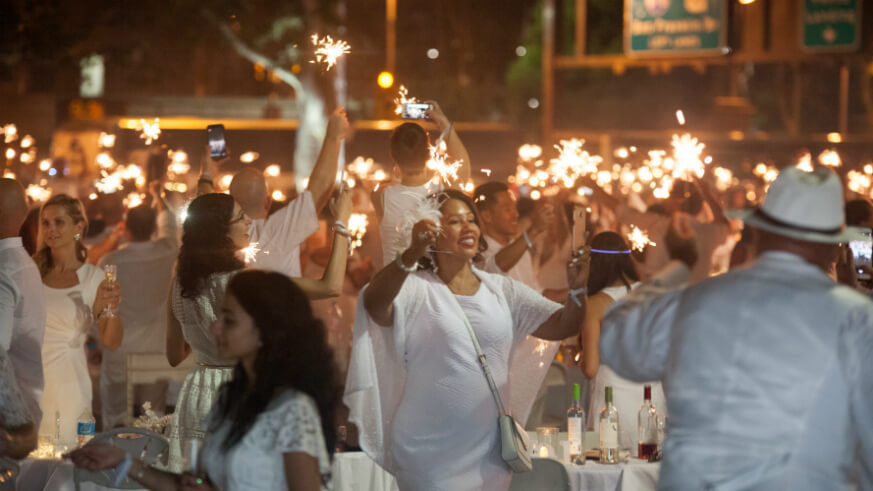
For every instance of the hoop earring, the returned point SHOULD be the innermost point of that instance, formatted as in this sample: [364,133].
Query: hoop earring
[77,237]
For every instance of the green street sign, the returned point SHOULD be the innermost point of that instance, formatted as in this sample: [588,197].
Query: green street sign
[831,25]
[675,27]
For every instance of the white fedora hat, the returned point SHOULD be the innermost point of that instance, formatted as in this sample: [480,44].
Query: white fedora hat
[805,206]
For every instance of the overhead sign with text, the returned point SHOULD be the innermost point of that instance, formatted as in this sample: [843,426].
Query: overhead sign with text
[831,25]
[675,27]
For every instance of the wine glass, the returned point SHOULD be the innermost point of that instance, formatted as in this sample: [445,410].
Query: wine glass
[111,273]
[190,455]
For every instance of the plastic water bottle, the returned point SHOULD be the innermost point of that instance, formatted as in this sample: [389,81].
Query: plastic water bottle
[85,427]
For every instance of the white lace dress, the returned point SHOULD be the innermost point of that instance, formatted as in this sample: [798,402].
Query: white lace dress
[200,388]
[255,463]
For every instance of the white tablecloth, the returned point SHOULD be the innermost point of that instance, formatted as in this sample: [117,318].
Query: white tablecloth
[354,471]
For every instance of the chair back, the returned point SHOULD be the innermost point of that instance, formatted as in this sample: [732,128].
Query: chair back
[546,475]
[146,368]
[552,400]
[8,474]
[145,445]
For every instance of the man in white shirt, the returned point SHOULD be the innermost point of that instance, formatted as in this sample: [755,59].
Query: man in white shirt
[768,369]
[22,307]
[144,266]
[509,252]
[278,236]
[410,151]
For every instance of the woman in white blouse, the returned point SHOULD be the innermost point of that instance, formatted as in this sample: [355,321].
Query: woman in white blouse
[272,426]
[429,417]
[77,297]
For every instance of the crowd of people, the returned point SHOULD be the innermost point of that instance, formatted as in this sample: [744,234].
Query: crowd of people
[757,338]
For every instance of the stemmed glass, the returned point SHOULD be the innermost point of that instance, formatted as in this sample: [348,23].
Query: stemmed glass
[111,273]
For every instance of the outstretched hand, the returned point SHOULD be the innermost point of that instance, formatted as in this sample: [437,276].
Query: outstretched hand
[341,206]
[424,235]
[338,124]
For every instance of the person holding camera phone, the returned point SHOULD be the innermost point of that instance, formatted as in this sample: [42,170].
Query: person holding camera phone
[410,150]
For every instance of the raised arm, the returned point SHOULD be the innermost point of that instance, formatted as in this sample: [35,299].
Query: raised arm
[509,256]
[454,146]
[176,347]
[385,285]
[323,176]
[331,282]
[567,321]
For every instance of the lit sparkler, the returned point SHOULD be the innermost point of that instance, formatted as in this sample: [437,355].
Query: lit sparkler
[133,200]
[680,117]
[45,165]
[357,229]
[327,50]
[249,157]
[804,163]
[278,195]
[105,161]
[10,133]
[448,172]
[10,153]
[106,140]
[26,142]
[250,253]
[686,152]
[638,239]
[529,152]
[272,170]
[572,162]
[830,158]
[28,157]
[149,131]
[402,99]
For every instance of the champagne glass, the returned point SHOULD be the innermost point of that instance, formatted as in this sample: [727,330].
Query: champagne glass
[190,455]
[111,273]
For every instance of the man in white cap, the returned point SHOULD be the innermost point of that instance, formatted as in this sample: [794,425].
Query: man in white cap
[768,370]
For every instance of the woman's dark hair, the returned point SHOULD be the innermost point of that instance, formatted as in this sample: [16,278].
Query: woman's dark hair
[206,248]
[427,262]
[606,269]
[293,354]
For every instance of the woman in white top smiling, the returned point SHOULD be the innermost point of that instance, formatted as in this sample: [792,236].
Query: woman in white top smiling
[422,405]
[76,294]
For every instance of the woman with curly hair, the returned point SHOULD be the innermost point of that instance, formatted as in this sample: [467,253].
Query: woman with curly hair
[272,426]
[613,275]
[77,299]
[415,389]
[214,232]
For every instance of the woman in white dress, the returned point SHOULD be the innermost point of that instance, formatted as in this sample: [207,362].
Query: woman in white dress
[76,294]
[214,232]
[272,426]
[612,276]
[422,406]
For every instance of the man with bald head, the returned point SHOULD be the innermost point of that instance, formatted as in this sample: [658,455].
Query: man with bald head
[279,236]
[22,307]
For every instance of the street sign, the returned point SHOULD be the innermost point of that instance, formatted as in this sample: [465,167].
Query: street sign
[830,25]
[675,27]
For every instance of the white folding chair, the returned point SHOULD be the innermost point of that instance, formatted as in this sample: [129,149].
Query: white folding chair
[142,444]
[546,475]
[147,368]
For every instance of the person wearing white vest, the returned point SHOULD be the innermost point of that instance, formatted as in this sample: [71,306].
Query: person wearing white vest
[768,370]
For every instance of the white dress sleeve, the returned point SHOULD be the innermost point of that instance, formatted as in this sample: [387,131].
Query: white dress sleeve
[295,426]
[529,308]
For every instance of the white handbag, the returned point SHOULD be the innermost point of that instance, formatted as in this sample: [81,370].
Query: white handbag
[514,442]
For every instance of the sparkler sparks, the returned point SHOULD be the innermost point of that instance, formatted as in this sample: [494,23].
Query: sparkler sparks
[106,140]
[249,157]
[572,163]
[680,117]
[327,50]
[830,158]
[26,142]
[149,131]
[250,253]
[402,99]
[638,239]
[804,163]
[448,172]
[272,170]
[529,152]
[357,229]
[10,133]
[686,152]
[278,195]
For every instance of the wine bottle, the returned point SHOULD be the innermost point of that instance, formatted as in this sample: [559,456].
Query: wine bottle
[647,428]
[609,431]
[575,427]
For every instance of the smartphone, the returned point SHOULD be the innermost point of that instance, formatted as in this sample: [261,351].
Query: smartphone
[862,251]
[156,168]
[415,110]
[217,143]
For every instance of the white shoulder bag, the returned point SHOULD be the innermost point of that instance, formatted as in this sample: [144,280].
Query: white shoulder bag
[514,443]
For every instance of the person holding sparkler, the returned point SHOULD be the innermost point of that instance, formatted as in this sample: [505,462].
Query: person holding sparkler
[76,294]
[215,231]
[278,236]
[411,151]
[419,398]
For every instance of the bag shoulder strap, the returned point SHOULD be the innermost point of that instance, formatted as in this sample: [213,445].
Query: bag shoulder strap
[480,355]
